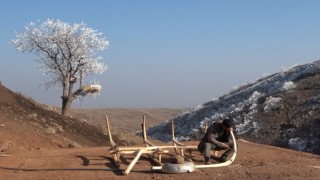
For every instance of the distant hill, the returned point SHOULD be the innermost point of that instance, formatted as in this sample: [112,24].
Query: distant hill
[282,109]
[125,119]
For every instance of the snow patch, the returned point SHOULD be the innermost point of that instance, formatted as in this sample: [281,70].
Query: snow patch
[271,103]
[255,96]
[288,85]
[256,127]
[244,127]
[297,144]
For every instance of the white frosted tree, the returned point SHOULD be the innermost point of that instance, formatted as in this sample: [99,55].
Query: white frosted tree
[67,54]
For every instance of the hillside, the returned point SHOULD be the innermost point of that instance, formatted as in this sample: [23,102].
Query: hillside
[42,126]
[282,109]
[38,143]
[26,125]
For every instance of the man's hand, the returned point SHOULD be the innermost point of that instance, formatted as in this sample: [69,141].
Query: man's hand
[225,146]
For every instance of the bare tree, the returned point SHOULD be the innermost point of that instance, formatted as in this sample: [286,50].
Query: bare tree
[67,54]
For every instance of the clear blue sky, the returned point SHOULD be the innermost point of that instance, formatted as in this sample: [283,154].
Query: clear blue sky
[168,53]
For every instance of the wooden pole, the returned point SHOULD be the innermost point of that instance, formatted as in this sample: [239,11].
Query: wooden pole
[113,144]
[145,140]
[5,155]
[206,127]
[174,141]
[172,132]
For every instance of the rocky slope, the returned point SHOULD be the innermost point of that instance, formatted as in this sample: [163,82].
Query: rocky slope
[282,109]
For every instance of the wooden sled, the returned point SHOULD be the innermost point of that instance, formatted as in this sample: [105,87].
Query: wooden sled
[150,149]
[153,150]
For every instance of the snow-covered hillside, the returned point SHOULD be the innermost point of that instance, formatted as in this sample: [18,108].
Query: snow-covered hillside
[260,108]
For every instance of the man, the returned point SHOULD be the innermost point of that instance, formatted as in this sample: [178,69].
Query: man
[217,138]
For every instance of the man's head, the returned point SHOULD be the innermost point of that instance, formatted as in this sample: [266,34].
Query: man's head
[227,123]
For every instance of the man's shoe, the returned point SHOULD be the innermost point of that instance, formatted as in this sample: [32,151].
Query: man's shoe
[223,158]
[208,162]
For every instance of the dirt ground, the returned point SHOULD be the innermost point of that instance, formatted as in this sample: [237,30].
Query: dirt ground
[253,161]
[39,144]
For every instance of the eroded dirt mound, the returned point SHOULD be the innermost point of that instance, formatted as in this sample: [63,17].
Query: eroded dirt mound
[26,125]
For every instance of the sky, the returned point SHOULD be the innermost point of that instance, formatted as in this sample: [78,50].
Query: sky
[167,53]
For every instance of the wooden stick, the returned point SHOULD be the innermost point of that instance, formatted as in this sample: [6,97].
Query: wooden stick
[172,132]
[116,156]
[206,127]
[144,127]
[130,148]
[5,155]
[113,144]
[134,161]
[145,140]
[174,141]
[134,151]
[148,143]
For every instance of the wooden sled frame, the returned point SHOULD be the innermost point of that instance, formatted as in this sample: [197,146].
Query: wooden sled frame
[151,150]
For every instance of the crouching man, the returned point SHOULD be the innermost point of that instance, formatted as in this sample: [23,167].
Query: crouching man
[217,138]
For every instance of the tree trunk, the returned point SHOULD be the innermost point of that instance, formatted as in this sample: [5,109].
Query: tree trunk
[66,106]
[67,99]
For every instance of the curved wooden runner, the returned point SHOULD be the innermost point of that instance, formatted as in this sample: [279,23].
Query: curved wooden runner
[227,163]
